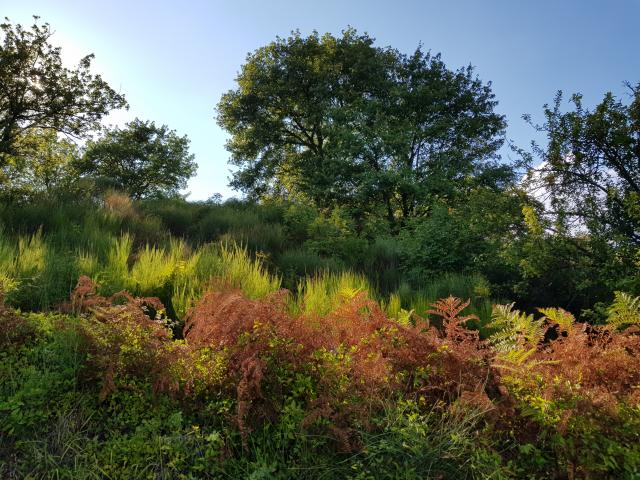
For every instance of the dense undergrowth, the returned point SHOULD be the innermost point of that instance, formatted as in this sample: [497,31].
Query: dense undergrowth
[140,345]
[253,388]
[170,248]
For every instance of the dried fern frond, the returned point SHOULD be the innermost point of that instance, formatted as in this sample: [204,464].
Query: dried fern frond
[624,311]
[559,316]
[449,309]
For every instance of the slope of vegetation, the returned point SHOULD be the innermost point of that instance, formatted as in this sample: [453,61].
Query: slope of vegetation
[389,300]
[255,381]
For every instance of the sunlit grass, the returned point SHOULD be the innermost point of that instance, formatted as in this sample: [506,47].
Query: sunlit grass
[245,273]
[115,274]
[323,293]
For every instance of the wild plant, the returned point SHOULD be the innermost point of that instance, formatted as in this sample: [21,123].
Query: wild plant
[624,311]
[115,274]
[151,271]
[515,333]
[240,271]
[325,292]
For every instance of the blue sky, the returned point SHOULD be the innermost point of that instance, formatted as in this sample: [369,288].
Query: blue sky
[173,60]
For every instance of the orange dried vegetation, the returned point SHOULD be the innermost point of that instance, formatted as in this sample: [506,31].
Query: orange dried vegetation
[354,356]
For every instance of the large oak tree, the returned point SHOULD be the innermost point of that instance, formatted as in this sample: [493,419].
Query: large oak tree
[340,121]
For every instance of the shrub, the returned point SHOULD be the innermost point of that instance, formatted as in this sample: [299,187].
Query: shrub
[410,443]
[576,387]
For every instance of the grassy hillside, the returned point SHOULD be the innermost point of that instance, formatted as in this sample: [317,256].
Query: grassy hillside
[174,340]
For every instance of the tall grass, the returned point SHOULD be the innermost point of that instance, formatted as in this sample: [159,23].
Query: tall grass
[188,284]
[230,264]
[116,245]
[26,271]
[114,276]
[30,260]
[321,294]
[152,270]
[87,263]
[7,255]
[241,271]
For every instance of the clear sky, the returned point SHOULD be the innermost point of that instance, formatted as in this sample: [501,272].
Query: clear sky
[173,60]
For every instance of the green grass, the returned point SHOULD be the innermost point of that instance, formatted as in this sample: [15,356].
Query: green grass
[241,271]
[321,294]
[114,275]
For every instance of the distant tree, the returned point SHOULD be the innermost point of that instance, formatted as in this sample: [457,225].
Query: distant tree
[44,165]
[37,92]
[141,159]
[590,168]
[338,121]
[584,232]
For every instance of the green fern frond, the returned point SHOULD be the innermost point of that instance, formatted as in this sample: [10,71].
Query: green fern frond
[517,357]
[514,325]
[348,293]
[560,316]
[624,311]
[504,341]
[403,317]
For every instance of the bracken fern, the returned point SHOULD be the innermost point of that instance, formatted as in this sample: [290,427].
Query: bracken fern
[624,311]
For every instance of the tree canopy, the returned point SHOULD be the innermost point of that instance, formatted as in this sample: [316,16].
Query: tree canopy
[590,169]
[44,165]
[142,159]
[37,91]
[337,120]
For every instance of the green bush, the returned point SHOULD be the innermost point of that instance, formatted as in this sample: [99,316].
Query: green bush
[411,444]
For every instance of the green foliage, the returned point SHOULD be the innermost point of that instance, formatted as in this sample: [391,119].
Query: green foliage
[38,376]
[624,311]
[322,294]
[7,256]
[43,166]
[439,243]
[560,317]
[300,262]
[412,443]
[474,287]
[115,274]
[298,219]
[52,96]
[240,271]
[376,178]
[357,125]
[140,159]
[588,166]
[583,239]
[153,268]
[333,235]
[515,331]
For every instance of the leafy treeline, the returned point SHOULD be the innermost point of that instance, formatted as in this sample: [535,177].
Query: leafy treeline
[46,108]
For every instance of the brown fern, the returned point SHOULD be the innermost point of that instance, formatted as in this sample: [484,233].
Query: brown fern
[449,310]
